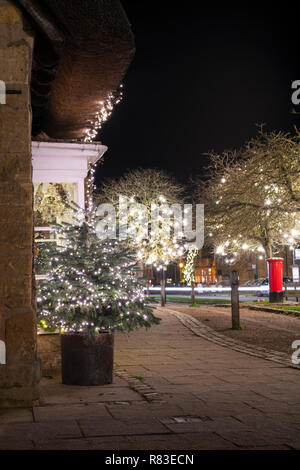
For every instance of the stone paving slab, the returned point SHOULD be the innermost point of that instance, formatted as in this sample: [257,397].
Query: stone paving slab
[16,415]
[195,441]
[103,443]
[112,427]
[192,441]
[119,411]
[264,436]
[40,431]
[204,424]
[54,413]
[216,410]
[9,443]
[56,394]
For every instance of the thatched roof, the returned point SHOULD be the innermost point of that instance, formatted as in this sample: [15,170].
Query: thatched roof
[82,50]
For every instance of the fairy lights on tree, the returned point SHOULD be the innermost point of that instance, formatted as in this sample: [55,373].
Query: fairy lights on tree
[189,269]
[92,285]
[252,197]
[156,192]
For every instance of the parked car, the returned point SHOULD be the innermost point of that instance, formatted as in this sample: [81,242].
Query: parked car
[224,283]
[249,283]
[264,284]
[263,281]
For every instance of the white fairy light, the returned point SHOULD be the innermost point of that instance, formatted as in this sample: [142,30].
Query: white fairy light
[104,112]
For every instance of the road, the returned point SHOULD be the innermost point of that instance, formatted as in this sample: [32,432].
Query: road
[246,294]
[206,293]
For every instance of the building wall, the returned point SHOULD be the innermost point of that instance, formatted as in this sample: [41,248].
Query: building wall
[210,269]
[251,267]
[248,266]
[20,375]
[205,268]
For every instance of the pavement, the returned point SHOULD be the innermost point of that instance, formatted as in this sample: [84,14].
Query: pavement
[262,329]
[175,388]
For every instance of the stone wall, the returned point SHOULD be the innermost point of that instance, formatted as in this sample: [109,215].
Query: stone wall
[19,376]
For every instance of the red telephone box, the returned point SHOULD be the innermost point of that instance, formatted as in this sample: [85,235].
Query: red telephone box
[275,279]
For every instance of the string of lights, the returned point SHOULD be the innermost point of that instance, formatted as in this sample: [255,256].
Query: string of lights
[189,269]
[287,228]
[105,110]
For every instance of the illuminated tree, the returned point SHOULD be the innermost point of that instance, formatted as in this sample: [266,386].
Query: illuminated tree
[156,191]
[92,284]
[252,196]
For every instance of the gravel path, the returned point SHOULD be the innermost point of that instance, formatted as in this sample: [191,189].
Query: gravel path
[268,330]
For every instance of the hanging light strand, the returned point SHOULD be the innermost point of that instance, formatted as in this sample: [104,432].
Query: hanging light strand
[106,108]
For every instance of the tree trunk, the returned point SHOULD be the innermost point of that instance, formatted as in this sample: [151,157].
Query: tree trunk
[193,292]
[268,242]
[268,250]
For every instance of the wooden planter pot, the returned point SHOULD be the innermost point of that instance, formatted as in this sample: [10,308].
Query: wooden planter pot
[87,362]
[49,350]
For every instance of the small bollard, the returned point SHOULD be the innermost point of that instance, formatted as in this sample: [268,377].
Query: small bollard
[193,292]
[235,306]
[163,292]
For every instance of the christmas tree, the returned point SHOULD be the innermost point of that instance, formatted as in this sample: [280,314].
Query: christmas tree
[92,284]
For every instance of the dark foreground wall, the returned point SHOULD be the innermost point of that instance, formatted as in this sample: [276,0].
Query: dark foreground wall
[19,377]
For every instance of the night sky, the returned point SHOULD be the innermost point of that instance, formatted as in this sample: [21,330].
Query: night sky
[200,80]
